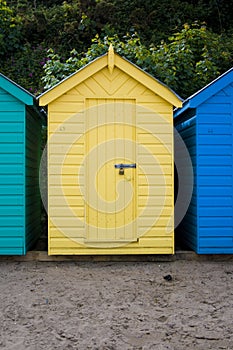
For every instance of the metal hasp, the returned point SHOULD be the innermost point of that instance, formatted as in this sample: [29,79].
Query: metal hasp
[121,167]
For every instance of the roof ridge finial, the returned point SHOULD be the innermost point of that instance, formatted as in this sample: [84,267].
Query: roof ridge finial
[111,58]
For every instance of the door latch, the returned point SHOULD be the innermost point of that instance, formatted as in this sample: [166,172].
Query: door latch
[122,166]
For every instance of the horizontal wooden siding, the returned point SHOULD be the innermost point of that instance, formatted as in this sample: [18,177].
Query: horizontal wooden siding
[154,136]
[12,165]
[215,173]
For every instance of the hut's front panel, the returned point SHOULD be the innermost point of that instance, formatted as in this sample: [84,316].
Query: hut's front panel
[12,180]
[107,120]
[215,174]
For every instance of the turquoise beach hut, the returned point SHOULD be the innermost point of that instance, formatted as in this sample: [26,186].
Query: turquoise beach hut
[205,123]
[20,142]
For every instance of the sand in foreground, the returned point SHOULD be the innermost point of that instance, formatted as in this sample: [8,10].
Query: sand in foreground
[105,306]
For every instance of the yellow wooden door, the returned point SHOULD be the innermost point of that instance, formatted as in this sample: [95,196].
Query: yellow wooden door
[110,192]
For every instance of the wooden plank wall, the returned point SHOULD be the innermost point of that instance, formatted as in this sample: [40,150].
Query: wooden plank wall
[154,133]
[215,173]
[12,165]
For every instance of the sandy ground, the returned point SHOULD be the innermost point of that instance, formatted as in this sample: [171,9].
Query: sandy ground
[103,305]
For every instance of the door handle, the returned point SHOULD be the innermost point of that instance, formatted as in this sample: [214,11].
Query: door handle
[122,166]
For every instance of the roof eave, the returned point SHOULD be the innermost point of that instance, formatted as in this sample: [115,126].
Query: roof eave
[17,91]
[185,107]
[207,91]
[149,81]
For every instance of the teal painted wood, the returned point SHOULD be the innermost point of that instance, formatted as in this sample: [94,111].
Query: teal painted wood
[10,117]
[16,91]
[20,135]
[213,107]
[13,183]
[12,179]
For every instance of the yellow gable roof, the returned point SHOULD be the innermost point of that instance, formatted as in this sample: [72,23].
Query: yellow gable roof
[110,60]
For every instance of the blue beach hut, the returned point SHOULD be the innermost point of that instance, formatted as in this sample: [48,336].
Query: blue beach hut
[20,141]
[205,123]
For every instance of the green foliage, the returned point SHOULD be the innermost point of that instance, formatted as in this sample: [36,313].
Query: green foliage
[28,28]
[10,30]
[62,26]
[155,20]
[189,60]
[25,67]
[55,69]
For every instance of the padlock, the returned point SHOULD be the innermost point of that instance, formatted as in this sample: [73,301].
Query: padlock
[121,171]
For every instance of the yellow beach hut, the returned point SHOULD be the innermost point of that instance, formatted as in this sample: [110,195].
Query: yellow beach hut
[110,161]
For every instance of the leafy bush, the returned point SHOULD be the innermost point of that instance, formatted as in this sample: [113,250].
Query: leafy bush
[25,67]
[10,30]
[189,60]
[28,28]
